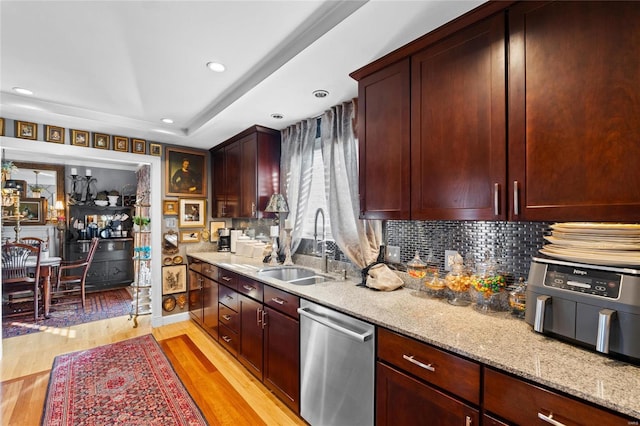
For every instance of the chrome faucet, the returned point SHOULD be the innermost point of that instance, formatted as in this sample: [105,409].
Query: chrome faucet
[323,242]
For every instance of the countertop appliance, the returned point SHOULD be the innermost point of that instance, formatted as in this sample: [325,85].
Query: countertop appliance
[224,239]
[337,363]
[595,306]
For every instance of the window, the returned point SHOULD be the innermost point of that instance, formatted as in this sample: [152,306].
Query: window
[317,198]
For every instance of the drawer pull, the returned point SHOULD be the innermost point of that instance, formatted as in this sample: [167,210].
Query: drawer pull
[227,317]
[258,316]
[412,360]
[516,195]
[229,297]
[225,278]
[277,300]
[467,421]
[549,419]
[264,319]
[248,287]
[496,199]
[226,339]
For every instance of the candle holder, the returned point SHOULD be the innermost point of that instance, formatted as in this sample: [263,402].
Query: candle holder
[288,260]
[274,252]
[76,194]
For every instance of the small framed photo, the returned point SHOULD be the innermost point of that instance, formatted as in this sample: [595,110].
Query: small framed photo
[174,279]
[53,134]
[192,213]
[100,141]
[189,236]
[121,143]
[155,149]
[32,210]
[170,207]
[79,137]
[1,126]
[139,146]
[213,230]
[26,130]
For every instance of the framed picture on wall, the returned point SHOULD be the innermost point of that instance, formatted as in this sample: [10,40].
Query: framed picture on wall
[26,130]
[79,137]
[33,211]
[1,126]
[139,146]
[121,143]
[155,149]
[192,213]
[100,141]
[53,134]
[189,236]
[174,279]
[170,207]
[185,174]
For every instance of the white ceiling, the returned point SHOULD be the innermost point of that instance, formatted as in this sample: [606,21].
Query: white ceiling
[119,67]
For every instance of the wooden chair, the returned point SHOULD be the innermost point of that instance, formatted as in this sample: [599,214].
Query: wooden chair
[70,282]
[36,242]
[20,275]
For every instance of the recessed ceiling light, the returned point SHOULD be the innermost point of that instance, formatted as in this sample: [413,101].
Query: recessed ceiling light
[277,116]
[22,91]
[215,66]
[167,121]
[320,93]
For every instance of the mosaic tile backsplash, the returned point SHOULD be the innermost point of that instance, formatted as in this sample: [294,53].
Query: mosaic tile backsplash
[512,244]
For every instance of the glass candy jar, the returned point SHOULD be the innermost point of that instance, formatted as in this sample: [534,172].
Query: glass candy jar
[487,287]
[518,299]
[416,268]
[433,283]
[458,282]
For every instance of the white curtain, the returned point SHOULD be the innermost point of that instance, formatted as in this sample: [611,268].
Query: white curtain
[296,168]
[360,240]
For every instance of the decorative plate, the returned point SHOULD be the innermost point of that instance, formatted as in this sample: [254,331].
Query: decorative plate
[167,261]
[181,300]
[177,260]
[169,303]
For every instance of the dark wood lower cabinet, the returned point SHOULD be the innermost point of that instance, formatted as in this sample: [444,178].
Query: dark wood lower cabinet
[403,400]
[210,306]
[251,335]
[282,357]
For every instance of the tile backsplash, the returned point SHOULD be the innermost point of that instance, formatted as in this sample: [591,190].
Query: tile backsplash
[512,244]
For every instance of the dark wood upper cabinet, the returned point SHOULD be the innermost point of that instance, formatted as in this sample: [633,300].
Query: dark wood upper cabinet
[574,111]
[246,171]
[384,143]
[458,126]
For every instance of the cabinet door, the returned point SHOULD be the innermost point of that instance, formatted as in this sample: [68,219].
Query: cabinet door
[574,105]
[384,144]
[232,179]
[282,357]
[403,400]
[195,296]
[458,122]
[210,306]
[248,178]
[251,335]
[218,183]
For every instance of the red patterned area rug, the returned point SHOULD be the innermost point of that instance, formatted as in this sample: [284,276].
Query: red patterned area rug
[124,383]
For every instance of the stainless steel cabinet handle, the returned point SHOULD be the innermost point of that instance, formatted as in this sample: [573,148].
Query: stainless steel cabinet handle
[258,316]
[226,339]
[264,319]
[277,300]
[229,297]
[248,287]
[516,194]
[467,421]
[227,317]
[541,304]
[361,337]
[225,278]
[412,360]
[549,419]
[253,209]
[496,199]
[604,326]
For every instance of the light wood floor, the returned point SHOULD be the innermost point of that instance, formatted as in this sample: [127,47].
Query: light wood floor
[223,389]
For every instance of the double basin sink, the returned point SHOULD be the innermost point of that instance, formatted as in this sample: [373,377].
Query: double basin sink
[292,274]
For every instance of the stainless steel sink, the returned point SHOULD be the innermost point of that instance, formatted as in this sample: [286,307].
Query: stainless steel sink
[292,274]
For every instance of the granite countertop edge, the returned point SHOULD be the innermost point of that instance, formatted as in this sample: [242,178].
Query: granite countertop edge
[497,340]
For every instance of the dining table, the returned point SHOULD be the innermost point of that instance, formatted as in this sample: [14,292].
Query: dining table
[47,267]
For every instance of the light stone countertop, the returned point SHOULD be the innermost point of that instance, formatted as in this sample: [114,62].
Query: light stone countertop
[498,339]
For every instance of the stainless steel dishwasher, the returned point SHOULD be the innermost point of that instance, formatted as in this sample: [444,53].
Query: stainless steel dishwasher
[337,367]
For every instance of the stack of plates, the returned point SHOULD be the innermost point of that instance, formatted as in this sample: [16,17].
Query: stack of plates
[613,244]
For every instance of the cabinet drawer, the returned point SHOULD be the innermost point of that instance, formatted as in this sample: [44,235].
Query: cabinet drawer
[229,318]
[209,271]
[229,339]
[518,401]
[447,371]
[282,301]
[228,278]
[228,297]
[251,288]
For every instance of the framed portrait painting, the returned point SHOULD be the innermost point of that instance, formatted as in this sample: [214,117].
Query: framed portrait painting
[174,279]
[192,213]
[26,130]
[79,137]
[53,134]
[185,174]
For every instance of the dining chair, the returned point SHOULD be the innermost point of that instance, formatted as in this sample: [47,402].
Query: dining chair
[36,242]
[70,282]
[21,275]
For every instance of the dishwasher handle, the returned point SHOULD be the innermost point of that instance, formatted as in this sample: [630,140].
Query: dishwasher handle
[361,337]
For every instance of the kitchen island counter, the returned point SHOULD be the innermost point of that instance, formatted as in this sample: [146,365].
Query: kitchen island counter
[498,339]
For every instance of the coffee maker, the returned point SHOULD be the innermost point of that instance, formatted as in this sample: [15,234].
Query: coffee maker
[224,239]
